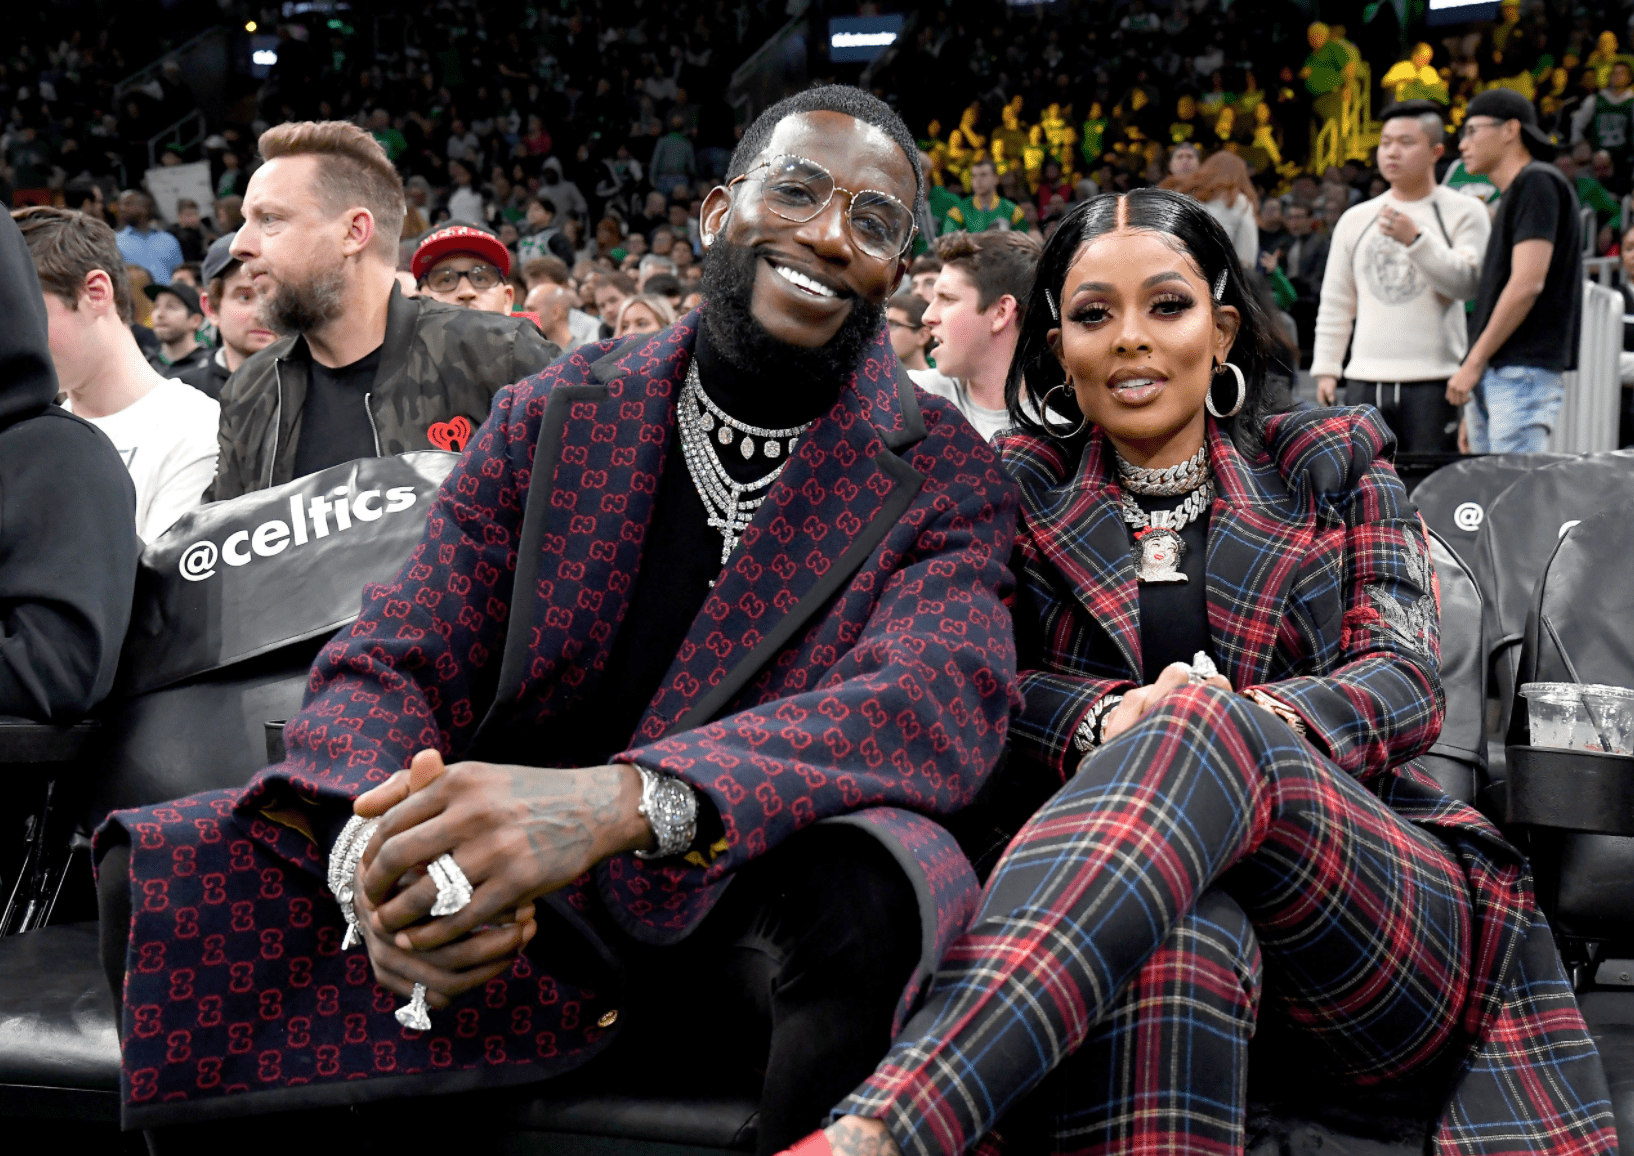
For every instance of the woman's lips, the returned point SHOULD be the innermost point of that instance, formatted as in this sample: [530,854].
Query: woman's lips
[1135,390]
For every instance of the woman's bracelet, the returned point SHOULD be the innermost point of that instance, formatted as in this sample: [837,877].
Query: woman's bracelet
[1282,710]
[1088,735]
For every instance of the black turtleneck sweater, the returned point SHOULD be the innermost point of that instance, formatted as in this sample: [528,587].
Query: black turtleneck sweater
[682,553]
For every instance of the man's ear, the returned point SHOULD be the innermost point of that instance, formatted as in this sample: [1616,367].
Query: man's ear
[206,306]
[360,231]
[717,207]
[96,294]
[1002,313]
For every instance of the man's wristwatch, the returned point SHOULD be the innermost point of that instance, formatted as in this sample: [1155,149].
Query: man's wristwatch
[671,807]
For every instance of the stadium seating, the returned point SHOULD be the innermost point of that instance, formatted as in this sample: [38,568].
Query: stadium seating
[1453,501]
[1578,809]
[58,1043]
[1517,537]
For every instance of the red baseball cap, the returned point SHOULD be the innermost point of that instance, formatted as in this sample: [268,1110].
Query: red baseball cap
[452,239]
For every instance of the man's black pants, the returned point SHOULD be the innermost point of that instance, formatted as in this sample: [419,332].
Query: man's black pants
[1417,412]
[786,991]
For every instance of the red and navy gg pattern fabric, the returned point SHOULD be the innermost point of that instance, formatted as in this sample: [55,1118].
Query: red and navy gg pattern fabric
[855,659]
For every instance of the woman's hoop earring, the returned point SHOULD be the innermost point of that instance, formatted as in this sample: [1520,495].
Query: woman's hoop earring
[1242,392]
[1044,413]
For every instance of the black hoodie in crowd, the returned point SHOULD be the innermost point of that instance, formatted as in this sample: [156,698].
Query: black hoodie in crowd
[68,544]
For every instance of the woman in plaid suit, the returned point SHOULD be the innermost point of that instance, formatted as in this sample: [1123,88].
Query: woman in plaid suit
[1234,853]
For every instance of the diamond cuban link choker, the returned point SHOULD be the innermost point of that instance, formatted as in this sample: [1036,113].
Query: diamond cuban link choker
[1158,533]
[726,501]
[1165,483]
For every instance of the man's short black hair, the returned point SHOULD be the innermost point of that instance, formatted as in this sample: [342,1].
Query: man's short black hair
[1430,115]
[842,98]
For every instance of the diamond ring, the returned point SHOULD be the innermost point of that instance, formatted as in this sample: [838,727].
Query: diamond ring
[413,1014]
[453,888]
[1202,669]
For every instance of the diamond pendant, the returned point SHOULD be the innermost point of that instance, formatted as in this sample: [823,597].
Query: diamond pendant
[747,448]
[725,436]
[773,449]
[706,421]
[1160,553]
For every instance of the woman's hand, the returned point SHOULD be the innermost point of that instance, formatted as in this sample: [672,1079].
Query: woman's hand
[516,832]
[1135,704]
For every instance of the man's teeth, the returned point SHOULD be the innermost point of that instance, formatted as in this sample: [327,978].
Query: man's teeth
[804,282]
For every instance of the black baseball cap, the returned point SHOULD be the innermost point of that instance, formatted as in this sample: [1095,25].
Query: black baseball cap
[180,290]
[1503,104]
[219,258]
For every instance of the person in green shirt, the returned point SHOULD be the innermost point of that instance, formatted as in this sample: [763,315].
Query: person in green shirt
[1608,214]
[977,212]
[1325,71]
[1608,122]
[380,127]
[1471,184]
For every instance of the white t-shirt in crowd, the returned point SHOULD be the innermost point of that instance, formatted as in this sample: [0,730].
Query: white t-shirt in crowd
[1405,302]
[168,443]
[988,422]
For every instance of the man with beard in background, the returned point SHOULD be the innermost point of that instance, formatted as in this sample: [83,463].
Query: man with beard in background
[792,699]
[362,370]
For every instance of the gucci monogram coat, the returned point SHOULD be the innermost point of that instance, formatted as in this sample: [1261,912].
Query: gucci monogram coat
[854,663]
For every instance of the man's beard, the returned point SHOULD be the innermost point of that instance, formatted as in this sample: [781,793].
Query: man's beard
[302,306]
[728,287]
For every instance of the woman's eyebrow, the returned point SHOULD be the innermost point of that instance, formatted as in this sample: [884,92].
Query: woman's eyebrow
[1154,279]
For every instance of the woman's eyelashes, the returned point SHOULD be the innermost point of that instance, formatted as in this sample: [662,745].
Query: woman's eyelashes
[1164,305]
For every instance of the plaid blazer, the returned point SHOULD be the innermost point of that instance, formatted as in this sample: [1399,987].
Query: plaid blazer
[854,663]
[1320,592]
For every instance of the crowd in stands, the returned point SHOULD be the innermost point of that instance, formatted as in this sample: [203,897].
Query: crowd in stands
[569,192]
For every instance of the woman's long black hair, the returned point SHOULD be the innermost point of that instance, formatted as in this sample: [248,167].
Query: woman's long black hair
[1190,228]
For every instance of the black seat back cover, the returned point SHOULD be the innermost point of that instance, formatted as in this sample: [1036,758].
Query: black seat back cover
[1459,754]
[1519,535]
[1453,501]
[1587,595]
[232,605]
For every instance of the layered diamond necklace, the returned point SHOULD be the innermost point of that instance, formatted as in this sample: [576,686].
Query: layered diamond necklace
[729,504]
[1158,533]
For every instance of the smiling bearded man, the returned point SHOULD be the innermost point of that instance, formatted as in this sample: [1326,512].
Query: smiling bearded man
[719,604]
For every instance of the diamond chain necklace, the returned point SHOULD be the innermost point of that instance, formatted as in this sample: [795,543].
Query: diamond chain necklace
[1164,483]
[728,504]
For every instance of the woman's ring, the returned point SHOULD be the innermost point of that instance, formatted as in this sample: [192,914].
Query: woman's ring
[453,888]
[1202,669]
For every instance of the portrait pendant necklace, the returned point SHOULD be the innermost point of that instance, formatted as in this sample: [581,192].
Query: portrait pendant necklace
[1157,534]
[729,505]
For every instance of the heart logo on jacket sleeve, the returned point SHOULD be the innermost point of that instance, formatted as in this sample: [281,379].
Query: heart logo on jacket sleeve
[451,434]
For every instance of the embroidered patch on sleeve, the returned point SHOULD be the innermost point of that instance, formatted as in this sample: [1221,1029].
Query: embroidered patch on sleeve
[1412,622]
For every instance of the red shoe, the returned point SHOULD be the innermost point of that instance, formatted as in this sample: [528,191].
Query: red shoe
[815,1144]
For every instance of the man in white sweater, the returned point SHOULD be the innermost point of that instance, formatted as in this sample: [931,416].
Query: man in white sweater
[1399,270]
[164,429]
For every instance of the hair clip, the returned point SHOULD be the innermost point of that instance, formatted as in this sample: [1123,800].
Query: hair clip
[1219,286]
[1055,314]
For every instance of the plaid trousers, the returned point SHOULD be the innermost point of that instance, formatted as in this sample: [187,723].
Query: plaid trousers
[1101,950]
